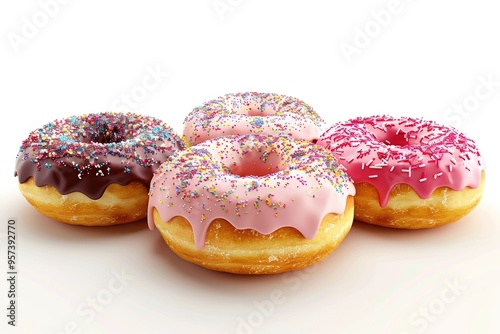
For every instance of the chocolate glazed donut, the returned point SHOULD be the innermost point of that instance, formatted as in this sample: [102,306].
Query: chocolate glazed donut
[86,157]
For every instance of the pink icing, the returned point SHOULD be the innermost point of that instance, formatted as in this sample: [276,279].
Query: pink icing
[384,151]
[252,181]
[257,113]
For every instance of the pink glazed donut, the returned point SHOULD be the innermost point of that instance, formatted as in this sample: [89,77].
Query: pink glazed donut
[252,204]
[409,173]
[247,113]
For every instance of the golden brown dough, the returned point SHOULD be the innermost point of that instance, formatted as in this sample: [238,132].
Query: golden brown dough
[118,205]
[407,210]
[249,252]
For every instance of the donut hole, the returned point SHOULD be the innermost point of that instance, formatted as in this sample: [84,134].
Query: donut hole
[256,109]
[394,136]
[393,139]
[104,133]
[257,163]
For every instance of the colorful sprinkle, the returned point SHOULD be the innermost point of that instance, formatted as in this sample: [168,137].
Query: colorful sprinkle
[248,179]
[383,143]
[252,113]
[113,147]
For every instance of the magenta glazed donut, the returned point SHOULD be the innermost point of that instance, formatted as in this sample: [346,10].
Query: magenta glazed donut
[252,113]
[409,173]
[94,169]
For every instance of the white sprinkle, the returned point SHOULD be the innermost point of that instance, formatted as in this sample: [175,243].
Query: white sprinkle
[392,168]
[407,171]
[423,179]
[437,175]
[397,132]
[372,176]
[363,166]
[450,167]
[342,158]
[376,167]
[350,160]
[421,165]
[369,162]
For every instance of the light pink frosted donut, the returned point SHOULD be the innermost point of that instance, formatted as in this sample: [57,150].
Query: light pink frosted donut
[257,113]
[409,173]
[256,185]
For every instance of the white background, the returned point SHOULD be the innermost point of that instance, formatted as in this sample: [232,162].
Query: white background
[423,60]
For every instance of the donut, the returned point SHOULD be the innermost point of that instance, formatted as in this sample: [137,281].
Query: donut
[94,169]
[252,113]
[252,204]
[409,173]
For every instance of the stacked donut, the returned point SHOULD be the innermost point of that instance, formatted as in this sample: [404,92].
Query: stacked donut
[253,193]
[253,187]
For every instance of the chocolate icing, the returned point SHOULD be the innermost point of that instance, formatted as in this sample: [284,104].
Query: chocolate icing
[88,153]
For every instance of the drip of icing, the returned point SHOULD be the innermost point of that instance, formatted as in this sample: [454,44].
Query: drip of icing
[385,151]
[252,113]
[299,184]
[89,152]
